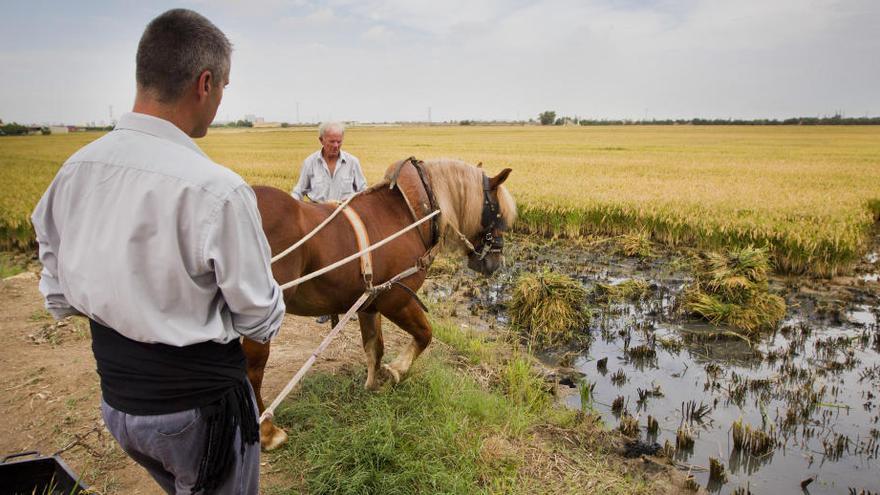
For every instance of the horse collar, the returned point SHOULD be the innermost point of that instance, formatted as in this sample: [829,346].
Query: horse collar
[432,201]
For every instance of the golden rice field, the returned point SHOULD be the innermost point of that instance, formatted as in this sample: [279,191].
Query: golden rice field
[810,194]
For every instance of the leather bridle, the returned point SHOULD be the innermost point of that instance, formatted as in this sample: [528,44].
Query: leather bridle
[490,220]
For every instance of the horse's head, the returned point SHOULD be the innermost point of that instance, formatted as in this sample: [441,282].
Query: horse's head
[496,216]
[476,210]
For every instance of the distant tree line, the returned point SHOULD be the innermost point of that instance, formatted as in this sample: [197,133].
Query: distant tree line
[550,118]
[235,123]
[13,129]
[16,129]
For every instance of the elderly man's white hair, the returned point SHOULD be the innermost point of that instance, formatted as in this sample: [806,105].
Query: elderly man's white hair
[326,126]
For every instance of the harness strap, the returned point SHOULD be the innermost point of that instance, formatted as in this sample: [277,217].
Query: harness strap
[432,202]
[363,241]
[432,246]
[392,183]
[412,293]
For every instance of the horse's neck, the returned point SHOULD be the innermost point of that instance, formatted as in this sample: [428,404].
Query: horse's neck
[379,199]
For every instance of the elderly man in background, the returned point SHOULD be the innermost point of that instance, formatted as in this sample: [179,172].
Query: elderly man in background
[163,250]
[330,174]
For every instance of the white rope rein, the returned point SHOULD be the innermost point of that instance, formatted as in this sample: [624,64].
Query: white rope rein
[315,230]
[318,273]
[269,412]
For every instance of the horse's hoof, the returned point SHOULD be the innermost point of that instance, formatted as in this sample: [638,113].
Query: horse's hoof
[372,386]
[395,375]
[272,437]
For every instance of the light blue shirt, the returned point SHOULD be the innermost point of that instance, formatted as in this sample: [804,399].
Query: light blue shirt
[143,233]
[316,182]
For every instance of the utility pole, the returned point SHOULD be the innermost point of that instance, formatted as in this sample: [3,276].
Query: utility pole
[429,115]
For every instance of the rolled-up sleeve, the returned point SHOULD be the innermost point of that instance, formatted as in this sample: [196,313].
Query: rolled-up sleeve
[302,185]
[237,250]
[48,239]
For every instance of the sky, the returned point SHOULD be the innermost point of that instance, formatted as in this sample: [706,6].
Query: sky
[408,60]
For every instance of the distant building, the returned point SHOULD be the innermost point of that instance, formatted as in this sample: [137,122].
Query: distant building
[58,129]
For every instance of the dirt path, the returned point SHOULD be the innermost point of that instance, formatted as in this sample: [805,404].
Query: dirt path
[49,390]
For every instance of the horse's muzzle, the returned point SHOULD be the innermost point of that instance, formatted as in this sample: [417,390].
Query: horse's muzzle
[486,266]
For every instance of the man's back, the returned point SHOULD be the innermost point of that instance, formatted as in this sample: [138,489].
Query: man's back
[140,243]
[164,251]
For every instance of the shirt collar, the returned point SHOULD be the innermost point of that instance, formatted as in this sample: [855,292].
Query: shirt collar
[341,156]
[157,127]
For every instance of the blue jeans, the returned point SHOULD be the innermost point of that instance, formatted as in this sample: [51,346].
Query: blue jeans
[170,448]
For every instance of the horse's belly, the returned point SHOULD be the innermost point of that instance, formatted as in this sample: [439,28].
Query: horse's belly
[315,301]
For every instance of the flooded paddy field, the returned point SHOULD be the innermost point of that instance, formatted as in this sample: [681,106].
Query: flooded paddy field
[796,410]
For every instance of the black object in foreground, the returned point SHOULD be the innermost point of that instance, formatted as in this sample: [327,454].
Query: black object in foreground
[40,475]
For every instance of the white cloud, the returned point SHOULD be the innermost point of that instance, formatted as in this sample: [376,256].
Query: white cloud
[392,59]
[378,33]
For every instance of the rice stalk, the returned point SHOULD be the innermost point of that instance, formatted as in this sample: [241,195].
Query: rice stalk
[549,307]
[732,289]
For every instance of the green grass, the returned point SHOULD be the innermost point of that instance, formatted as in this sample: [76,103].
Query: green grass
[425,437]
[40,315]
[10,265]
[468,343]
[439,431]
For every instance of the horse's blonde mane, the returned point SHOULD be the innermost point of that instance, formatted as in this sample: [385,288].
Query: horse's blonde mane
[458,188]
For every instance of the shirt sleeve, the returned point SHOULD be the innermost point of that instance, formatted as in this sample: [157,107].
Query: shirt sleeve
[48,241]
[360,182]
[302,186]
[238,251]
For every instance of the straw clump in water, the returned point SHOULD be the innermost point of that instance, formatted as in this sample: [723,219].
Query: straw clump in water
[549,307]
[628,290]
[732,289]
[717,474]
[755,441]
[636,244]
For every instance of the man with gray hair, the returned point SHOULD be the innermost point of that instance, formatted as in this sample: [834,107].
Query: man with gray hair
[163,250]
[330,174]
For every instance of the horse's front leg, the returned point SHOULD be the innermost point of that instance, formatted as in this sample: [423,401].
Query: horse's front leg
[374,347]
[257,354]
[412,319]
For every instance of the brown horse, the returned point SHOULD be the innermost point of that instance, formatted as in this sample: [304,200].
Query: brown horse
[471,204]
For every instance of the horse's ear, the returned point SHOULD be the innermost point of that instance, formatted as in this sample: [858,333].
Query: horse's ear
[499,179]
[480,165]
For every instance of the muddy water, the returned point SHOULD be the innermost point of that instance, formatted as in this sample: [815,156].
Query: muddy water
[811,391]
[814,383]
